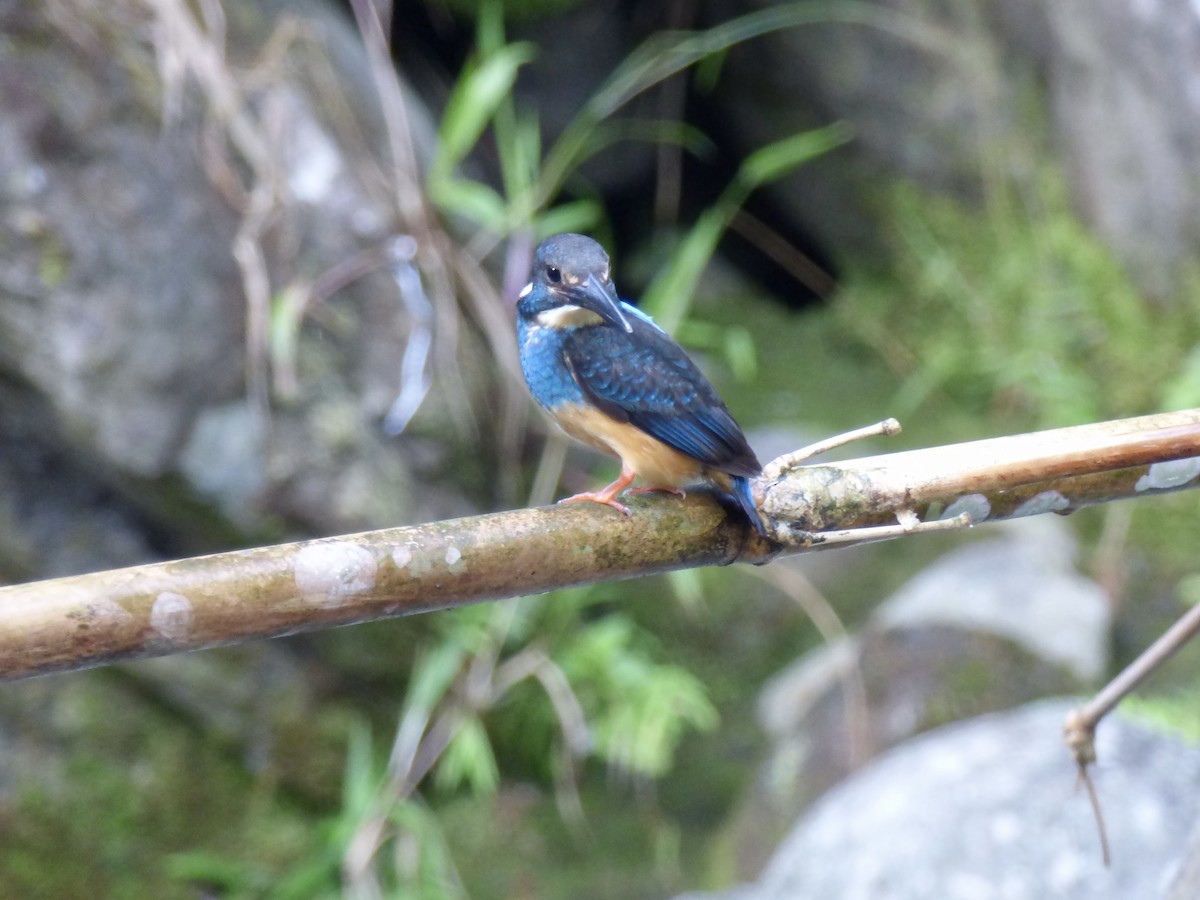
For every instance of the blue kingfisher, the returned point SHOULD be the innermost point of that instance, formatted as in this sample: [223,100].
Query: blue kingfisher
[611,378]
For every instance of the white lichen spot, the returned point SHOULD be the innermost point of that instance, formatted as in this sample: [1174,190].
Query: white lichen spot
[329,572]
[402,556]
[1165,475]
[171,616]
[1043,502]
[454,559]
[977,506]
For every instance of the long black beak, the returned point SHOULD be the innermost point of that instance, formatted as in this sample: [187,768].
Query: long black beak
[602,299]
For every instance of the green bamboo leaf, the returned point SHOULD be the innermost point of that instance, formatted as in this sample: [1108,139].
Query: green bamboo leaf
[1183,390]
[519,148]
[669,296]
[471,199]
[433,675]
[362,779]
[688,587]
[740,353]
[469,759]
[478,92]
[775,160]
[427,874]
[579,215]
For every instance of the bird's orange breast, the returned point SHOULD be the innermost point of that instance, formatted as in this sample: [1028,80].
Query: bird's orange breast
[659,464]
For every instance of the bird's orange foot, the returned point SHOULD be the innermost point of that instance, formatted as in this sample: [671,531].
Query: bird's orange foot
[608,496]
[678,492]
[605,497]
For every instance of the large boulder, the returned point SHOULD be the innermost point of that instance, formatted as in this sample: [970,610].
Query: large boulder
[132,228]
[963,96]
[988,809]
[988,626]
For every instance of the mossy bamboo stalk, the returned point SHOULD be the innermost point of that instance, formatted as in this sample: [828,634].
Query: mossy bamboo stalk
[191,604]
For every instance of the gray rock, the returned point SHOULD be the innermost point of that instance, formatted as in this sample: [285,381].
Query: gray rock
[123,311]
[1019,585]
[953,94]
[988,626]
[987,810]
[1125,85]
[1186,883]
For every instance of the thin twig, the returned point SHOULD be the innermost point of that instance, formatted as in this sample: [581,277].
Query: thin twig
[1143,667]
[825,619]
[1079,729]
[784,464]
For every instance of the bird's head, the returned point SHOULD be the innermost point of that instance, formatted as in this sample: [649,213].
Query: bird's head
[570,285]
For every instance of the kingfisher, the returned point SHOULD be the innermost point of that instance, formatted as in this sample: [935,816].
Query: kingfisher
[614,380]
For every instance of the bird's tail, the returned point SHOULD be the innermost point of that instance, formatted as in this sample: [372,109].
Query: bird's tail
[740,488]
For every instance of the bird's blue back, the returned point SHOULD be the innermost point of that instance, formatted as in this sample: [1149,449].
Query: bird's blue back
[642,377]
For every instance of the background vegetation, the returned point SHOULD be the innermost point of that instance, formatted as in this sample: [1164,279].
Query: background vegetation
[595,743]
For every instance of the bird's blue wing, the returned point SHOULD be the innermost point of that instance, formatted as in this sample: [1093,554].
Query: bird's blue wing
[646,379]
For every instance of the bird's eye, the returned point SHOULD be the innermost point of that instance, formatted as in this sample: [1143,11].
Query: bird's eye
[553,273]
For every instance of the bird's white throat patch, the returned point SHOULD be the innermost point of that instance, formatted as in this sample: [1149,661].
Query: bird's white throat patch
[568,317]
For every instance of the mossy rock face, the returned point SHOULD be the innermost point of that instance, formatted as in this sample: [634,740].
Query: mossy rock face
[126,432]
[962,98]
[988,626]
[126,336]
[989,801]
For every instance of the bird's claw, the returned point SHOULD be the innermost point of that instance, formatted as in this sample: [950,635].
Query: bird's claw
[602,497]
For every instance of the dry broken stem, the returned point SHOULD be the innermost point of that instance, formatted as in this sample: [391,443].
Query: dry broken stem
[1079,729]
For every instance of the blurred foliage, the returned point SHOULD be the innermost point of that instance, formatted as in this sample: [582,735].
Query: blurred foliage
[597,674]
[93,827]
[670,295]
[1015,318]
[1018,316]
[533,181]
[514,10]
[1176,713]
[987,321]
[1170,701]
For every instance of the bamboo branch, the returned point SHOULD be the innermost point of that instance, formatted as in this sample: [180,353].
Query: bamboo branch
[1061,470]
[192,604]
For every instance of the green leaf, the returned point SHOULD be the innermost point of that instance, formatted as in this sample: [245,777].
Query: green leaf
[433,675]
[638,709]
[362,780]
[775,160]
[669,297]
[427,874]
[519,147]
[217,872]
[688,587]
[740,353]
[1188,589]
[579,215]
[469,759]
[470,199]
[1183,390]
[481,88]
